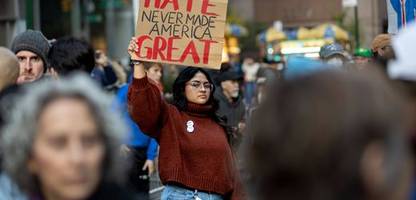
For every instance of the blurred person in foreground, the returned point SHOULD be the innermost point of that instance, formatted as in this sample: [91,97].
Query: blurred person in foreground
[9,72]
[31,48]
[403,71]
[140,148]
[329,135]
[9,68]
[62,142]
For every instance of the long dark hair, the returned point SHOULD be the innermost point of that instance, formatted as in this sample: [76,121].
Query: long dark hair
[180,101]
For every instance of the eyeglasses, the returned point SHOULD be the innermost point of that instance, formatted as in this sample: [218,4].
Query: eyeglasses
[197,85]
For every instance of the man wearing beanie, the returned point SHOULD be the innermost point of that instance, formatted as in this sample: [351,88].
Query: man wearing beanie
[31,48]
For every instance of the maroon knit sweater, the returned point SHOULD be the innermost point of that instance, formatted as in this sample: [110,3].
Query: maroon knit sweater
[194,151]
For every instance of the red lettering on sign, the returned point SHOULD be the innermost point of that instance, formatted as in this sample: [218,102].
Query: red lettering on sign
[163,5]
[173,2]
[171,48]
[204,9]
[190,50]
[147,3]
[164,49]
[207,48]
[189,5]
[139,43]
[158,47]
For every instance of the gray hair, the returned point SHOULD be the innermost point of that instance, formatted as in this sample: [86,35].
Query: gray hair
[19,132]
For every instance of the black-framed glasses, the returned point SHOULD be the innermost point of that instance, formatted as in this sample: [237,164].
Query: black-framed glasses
[197,85]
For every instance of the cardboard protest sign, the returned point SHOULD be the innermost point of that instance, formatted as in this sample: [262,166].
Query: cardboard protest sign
[182,32]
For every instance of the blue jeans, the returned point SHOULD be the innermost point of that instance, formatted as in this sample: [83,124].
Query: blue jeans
[172,192]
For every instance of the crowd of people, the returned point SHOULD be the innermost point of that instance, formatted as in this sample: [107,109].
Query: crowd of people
[77,125]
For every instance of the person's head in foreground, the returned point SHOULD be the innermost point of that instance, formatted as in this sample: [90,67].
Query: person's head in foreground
[9,68]
[62,140]
[329,135]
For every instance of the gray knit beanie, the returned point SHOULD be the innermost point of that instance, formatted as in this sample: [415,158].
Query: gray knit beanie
[33,41]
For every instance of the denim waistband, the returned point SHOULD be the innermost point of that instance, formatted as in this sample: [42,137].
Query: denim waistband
[172,191]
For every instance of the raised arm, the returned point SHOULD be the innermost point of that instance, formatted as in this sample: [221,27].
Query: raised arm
[145,104]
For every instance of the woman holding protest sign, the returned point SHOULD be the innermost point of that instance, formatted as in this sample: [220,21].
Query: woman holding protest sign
[195,159]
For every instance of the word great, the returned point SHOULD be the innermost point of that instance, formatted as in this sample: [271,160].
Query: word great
[165,49]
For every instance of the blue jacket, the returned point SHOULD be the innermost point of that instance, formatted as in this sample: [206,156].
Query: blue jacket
[136,138]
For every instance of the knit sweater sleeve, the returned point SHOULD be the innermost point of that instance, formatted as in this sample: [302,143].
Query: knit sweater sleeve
[146,106]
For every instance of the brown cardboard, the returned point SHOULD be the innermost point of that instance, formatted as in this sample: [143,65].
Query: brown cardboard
[181,32]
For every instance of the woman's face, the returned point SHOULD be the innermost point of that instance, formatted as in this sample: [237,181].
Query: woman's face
[68,151]
[198,89]
[155,73]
